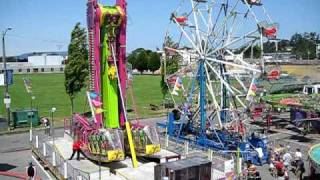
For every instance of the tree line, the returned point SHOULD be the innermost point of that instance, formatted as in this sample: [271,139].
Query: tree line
[144,59]
[301,45]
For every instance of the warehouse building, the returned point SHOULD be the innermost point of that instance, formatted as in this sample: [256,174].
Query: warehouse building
[38,62]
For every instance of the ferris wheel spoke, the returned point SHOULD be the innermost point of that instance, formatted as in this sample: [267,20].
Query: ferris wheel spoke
[236,58]
[241,102]
[195,18]
[251,11]
[211,89]
[234,41]
[220,78]
[233,64]
[240,82]
[213,95]
[209,30]
[235,89]
[188,37]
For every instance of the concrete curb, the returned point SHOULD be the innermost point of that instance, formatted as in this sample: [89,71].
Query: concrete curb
[23,130]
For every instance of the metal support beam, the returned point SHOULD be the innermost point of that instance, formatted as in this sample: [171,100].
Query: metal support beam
[202,83]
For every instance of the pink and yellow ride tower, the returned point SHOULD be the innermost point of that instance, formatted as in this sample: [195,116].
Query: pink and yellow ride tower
[106,129]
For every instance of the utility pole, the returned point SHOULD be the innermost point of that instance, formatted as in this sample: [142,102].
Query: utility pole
[53,109]
[317,51]
[6,92]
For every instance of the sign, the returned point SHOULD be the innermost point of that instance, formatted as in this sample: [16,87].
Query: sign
[7,101]
[9,76]
[1,79]
[229,166]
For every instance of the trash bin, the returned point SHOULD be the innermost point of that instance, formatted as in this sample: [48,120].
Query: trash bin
[23,117]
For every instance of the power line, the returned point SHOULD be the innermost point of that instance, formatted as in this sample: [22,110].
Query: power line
[38,39]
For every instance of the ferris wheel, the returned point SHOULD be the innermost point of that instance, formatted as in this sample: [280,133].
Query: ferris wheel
[209,39]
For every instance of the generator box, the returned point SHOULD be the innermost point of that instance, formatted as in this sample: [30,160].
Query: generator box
[194,168]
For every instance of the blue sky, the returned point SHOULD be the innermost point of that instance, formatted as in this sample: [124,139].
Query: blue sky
[46,25]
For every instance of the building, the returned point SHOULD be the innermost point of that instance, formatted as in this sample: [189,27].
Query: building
[38,62]
[46,60]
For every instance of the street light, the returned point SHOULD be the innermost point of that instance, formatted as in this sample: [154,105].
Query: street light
[31,114]
[53,109]
[32,98]
[6,93]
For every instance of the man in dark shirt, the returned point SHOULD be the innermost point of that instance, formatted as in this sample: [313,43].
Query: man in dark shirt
[31,171]
[300,169]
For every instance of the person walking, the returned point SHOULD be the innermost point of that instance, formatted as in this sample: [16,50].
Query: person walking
[76,148]
[300,169]
[31,171]
[251,170]
[46,124]
[297,154]
[287,158]
[280,170]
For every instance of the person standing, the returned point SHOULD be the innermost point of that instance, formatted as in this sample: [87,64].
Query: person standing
[297,154]
[252,170]
[76,148]
[287,158]
[280,170]
[31,171]
[46,123]
[300,169]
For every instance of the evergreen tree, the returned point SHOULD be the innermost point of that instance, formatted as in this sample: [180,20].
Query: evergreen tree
[76,69]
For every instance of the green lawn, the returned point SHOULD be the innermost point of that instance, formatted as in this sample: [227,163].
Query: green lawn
[146,91]
[50,92]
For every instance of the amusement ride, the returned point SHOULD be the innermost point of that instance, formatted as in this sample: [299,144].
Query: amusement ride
[215,87]
[210,38]
[105,131]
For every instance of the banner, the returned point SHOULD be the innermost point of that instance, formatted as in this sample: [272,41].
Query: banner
[9,76]
[252,90]
[27,84]
[177,86]
[1,79]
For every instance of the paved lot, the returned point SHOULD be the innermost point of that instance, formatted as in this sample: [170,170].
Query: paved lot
[15,154]
[15,150]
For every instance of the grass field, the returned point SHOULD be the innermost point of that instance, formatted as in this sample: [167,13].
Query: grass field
[50,92]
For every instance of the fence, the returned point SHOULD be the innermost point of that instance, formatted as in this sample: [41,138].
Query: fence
[290,146]
[52,158]
[223,165]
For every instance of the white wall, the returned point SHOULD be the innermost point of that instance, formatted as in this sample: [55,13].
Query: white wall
[43,60]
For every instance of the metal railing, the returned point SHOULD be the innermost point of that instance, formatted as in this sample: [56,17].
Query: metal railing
[51,157]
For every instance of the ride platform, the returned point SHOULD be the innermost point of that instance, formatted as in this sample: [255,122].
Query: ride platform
[62,167]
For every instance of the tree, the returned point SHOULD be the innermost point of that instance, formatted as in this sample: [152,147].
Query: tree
[270,46]
[141,62]
[304,45]
[247,54]
[139,59]
[153,61]
[76,69]
[171,66]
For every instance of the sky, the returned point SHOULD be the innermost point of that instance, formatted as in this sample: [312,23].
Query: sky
[45,25]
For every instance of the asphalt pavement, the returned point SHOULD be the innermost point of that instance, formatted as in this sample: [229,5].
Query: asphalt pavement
[15,149]
[15,154]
